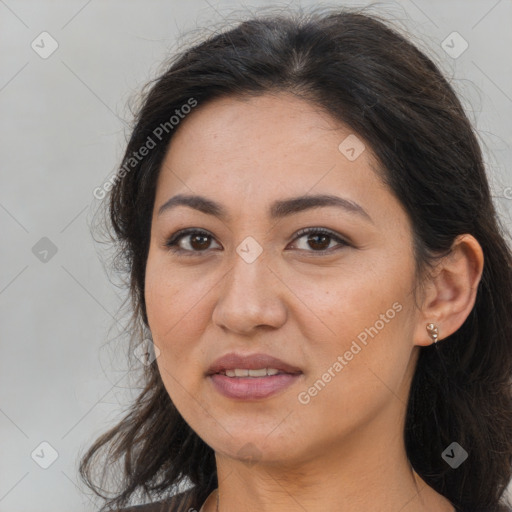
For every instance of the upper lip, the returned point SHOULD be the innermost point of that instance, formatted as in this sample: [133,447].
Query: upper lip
[233,360]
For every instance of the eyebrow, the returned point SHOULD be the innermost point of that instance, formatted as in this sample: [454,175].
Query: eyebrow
[278,209]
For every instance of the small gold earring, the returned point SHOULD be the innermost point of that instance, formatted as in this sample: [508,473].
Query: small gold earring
[433,332]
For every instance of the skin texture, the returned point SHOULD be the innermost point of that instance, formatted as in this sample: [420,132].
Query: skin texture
[343,450]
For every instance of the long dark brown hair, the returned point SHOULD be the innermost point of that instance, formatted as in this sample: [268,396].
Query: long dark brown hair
[365,74]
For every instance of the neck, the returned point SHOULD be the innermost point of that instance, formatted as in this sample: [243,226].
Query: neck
[355,476]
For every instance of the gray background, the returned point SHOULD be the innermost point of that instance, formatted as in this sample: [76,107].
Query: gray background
[63,373]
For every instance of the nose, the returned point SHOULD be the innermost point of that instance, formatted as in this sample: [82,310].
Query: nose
[250,296]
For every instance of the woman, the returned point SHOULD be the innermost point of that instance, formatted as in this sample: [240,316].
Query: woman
[312,247]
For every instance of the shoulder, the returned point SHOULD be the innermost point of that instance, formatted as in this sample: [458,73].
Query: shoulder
[499,508]
[181,502]
[503,508]
[159,506]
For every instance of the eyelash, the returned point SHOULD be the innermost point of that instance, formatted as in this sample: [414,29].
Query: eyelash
[172,242]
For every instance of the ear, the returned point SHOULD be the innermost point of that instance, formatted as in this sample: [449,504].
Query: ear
[450,291]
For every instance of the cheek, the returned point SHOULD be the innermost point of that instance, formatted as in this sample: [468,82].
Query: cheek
[362,318]
[175,304]
[343,306]
[173,300]
[358,371]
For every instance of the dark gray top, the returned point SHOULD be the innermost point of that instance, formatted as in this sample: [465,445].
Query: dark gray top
[183,503]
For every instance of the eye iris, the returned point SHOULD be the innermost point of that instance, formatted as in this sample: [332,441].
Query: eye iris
[201,246]
[316,236]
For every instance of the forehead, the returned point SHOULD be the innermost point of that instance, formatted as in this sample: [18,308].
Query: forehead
[265,147]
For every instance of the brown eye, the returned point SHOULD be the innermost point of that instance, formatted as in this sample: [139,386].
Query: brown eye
[199,242]
[196,242]
[319,239]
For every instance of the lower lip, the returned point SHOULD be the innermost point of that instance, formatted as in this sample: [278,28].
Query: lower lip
[252,388]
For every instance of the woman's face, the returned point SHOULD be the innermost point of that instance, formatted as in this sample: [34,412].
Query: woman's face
[337,308]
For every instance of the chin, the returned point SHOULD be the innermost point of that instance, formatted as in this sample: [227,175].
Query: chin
[257,448]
